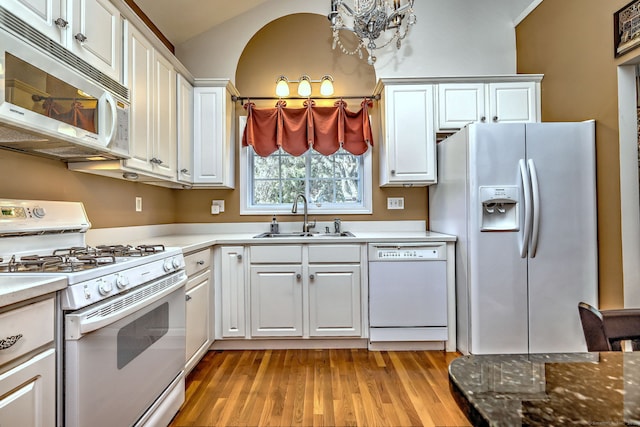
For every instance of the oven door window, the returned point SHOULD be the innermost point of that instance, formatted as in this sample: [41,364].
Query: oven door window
[141,333]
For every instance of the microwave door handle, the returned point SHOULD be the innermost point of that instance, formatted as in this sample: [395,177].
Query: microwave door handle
[107,100]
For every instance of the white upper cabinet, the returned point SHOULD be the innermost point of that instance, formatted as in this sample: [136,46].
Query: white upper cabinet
[214,134]
[407,154]
[513,102]
[47,16]
[92,29]
[152,82]
[96,35]
[460,104]
[185,130]
[509,100]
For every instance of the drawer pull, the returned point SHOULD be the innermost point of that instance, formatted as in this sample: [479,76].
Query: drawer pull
[200,262]
[188,297]
[9,341]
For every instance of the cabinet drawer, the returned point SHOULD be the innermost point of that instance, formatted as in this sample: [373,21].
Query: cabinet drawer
[334,253]
[279,254]
[197,261]
[35,324]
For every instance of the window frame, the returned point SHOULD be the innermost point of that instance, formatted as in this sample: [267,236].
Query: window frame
[246,184]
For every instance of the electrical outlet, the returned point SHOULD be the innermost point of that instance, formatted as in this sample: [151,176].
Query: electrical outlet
[138,204]
[395,202]
[217,206]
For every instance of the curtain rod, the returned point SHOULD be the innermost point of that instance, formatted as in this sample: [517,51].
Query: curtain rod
[275,98]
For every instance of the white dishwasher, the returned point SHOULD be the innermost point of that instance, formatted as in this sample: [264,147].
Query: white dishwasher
[407,292]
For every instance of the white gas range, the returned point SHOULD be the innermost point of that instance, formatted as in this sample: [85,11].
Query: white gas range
[122,328]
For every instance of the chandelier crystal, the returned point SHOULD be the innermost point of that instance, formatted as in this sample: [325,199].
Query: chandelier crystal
[368,20]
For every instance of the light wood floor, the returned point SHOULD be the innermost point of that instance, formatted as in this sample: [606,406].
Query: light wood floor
[344,387]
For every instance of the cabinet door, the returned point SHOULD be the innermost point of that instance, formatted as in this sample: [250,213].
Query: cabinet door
[96,34]
[213,124]
[460,104]
[140,82]
[276,300]
[233,291]
[334,300]
[164,158]
[185,130]
[197,318]
[513,102]
[28,393]
[41,14]
[409,152]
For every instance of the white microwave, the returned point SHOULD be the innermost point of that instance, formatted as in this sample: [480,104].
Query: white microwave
[50,107]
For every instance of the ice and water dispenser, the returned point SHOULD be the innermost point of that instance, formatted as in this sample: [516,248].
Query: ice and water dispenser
[500,207]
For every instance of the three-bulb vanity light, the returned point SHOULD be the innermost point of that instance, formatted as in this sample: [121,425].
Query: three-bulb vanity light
[304,86]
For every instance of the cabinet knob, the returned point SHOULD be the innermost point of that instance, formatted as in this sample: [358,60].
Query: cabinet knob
[184,170]
[80,37]
[61,23]
[187,297]
[201,262]
[393,172]
[495,118]
[298,276]
[312,276]
[483,119]
[239,256]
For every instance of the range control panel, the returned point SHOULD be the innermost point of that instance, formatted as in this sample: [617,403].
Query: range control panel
[391,252]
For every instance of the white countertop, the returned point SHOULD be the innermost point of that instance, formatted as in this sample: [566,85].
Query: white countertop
[192,237]
[16,289]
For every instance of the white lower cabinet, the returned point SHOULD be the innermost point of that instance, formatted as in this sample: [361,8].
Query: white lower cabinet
[28,365]
[199,306]
[305,291]
[276,300]
[334,300]
[232,292]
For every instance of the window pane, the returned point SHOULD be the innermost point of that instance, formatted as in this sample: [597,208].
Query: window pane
[321,191]
[293,167]
[348,191]
[266,192]
[322,166]
[346,166]
[264,167]
[290,189]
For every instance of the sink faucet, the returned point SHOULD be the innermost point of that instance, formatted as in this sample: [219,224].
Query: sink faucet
[306,226]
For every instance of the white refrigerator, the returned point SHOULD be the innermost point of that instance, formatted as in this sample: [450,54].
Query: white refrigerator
[521,198]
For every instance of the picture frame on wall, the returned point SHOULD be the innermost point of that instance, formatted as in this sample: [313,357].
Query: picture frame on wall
[626,25]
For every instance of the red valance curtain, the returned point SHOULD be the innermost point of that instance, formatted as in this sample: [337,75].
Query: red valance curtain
[295,130]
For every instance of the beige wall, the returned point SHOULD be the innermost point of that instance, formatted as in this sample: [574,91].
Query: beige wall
[109,202]
[571,43]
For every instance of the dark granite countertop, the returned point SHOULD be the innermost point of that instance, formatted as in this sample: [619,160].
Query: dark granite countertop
[590,389]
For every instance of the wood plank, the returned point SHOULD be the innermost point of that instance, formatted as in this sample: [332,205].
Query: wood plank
[328,387]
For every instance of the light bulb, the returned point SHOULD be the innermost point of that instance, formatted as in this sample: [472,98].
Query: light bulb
[304,87]
[282,87]
[326,87]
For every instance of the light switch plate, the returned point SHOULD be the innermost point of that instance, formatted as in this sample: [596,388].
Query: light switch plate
[395,202]
[138,204]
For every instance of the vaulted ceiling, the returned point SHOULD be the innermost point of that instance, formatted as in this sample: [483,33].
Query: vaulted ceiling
[181,20]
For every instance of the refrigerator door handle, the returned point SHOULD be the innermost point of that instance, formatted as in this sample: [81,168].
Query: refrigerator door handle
[526,187]
[535,190]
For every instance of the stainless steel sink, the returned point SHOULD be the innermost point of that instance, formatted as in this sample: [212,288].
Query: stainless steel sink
[303,234]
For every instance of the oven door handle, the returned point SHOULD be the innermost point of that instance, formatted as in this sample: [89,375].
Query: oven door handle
[99,315]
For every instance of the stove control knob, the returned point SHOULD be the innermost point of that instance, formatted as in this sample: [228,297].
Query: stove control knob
[39,212]
[167,265]
[105,288]
[122,282]
[176,263]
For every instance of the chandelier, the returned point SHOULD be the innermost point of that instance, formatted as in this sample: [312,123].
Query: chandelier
[368,19]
